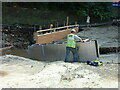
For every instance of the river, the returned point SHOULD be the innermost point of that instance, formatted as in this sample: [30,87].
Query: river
[17,52]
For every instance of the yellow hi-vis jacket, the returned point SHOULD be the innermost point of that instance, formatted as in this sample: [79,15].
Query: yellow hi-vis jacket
[71,41]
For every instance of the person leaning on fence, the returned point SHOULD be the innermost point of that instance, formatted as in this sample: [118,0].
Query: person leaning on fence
[71,45]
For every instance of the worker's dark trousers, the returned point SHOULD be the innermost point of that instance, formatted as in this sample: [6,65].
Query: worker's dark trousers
[74,52]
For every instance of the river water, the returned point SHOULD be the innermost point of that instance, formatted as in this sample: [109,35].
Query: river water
[17,52]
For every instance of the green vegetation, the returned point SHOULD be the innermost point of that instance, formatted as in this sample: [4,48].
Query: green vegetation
[44,13]
[98,10]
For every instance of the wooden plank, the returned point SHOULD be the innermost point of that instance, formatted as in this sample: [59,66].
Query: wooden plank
[54,36]
[47,38]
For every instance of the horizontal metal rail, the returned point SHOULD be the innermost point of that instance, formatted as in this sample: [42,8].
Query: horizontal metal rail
[54,29]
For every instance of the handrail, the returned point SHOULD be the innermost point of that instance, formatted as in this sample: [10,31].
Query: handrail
[57,28]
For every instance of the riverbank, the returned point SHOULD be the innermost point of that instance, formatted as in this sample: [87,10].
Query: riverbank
[107,36]
[19,72]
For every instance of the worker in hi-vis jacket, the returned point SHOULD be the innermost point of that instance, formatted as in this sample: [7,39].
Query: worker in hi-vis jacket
[71,45]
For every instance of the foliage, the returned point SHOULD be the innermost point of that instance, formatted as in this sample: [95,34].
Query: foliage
[98,10]
[52,12]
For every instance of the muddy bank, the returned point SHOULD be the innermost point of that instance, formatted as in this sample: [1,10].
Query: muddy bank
[22,37]
[17,37]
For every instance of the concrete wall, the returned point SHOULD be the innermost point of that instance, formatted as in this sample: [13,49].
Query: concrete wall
[86,51]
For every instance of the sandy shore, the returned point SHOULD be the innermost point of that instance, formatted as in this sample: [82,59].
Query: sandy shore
[19,72]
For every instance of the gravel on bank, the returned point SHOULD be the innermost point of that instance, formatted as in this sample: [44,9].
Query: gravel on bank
[19,72]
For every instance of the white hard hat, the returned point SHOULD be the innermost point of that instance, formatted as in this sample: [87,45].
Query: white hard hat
[73,30]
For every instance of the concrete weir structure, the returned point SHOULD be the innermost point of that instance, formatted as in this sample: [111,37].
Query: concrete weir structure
[86,51]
